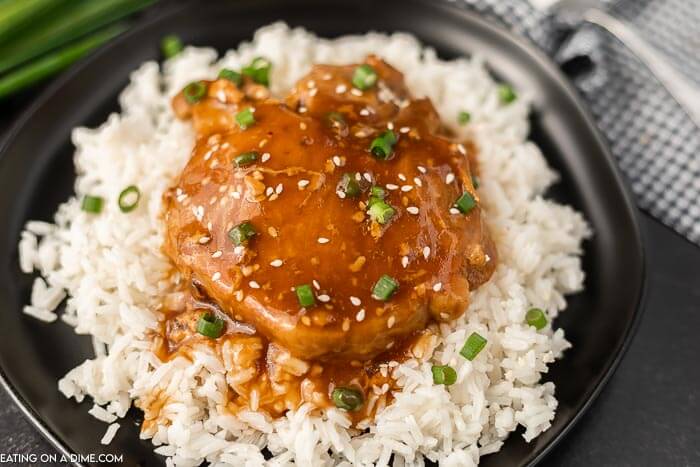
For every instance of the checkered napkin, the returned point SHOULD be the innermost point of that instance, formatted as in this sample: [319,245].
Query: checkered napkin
[656,144]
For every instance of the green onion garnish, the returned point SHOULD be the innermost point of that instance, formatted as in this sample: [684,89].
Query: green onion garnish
[380,211]
[347,398]
[241,233]
[536,317]
[258,70]
[474,344]
[129,198]
[210,326]
[464,117]
[245,158]
[506,93]
[364,77]
[171,45]
[233,76]
[349,185]
[475,181]
[383,145]
[444,374]
[92,204]
[465,203]
[384,288]
[334,118]
[245,118]
[377,192]
[305,295]
[194,92]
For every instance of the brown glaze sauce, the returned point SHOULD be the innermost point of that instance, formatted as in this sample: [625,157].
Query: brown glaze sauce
[278,354]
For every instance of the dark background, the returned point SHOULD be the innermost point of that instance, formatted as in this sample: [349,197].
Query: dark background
[647,415]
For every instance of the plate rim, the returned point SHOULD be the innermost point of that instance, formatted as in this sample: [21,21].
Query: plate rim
[531,49]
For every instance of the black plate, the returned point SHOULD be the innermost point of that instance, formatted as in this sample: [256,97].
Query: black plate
[36,174]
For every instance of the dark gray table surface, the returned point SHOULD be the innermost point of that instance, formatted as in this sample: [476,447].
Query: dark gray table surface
[647,415]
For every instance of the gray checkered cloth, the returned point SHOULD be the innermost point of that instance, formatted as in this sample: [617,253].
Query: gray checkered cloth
[656,144]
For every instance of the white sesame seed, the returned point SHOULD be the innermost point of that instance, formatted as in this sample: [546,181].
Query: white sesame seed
[235,195]
[404,129]
[239,295]
[412,210]
[182,197]
[402,177]
[317,286]
[488,258]
[324,298]
[406,188]
[404,261]
[367,176]
[454,211]
[269,190]
[421,169]
[337,161]
[426,252]
[302,109]
[265,157]
[302,183]
[217,254]
[275,263]
[358,177]
[360,315]
[461,148]
[239,249]
[203,240]
[221,96]
[390,322]
[254,285]
[311,84]
[355,301]
[313,92]
[450,178]
[364,112]
[302,125]
[356,92]
[417,182]
[437,287]
[390,125]
[279,188]
[323,240]
[341,88]
[391,186]
[341,194]
[207,156]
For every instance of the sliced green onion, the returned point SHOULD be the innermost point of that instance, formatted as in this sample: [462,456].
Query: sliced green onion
[444,374]
[347,399]
[349,185]
[210,326]
[334,118]
[195,92]
[506,93]
[464,117]
[231,75]
[129,198]
[245,158]
[245,118]
[383,145]
[465,203]
[380,211]
[92,204]
[377,192]
[171,45]
[384,288]
[475,181]
[305,295]
[536,317]
[364,77]
[242,233]
[259,70]
[474,344]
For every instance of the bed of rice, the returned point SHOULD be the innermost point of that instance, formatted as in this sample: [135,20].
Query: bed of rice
[111,269]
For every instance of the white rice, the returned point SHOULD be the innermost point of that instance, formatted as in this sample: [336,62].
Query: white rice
[112,269]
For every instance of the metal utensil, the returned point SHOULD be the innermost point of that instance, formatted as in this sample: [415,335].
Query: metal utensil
[685,92]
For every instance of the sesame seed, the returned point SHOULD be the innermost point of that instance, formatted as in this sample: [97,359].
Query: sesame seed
[216,276]
[367,176]
[311,84]
[302,109]
[390,125]
[488,258]
[317,286]
[313,92]
[239,249]
[217,254]
[239,295]
[269,190]
[450,178]
[454,211]
[358,177]
[324,298]
[326,77]
[275,263]
[404,129]
[254,285]
[337,161]
[412,210]
[279,188]
[346,325]
[235,195]
[355,301]
[207,156]
[406,188]
[302,125]
[437,287]
[402,177]
[265,157]
[404,261]
[391,186]
[360,315]
[302,183]
[221,96]
[356,92]
[203,240]
[323,240]
[306,320]
[417,182]
[426,252]
[341,194]
[461,148]
[341,88]
[390,322]
[364,112]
